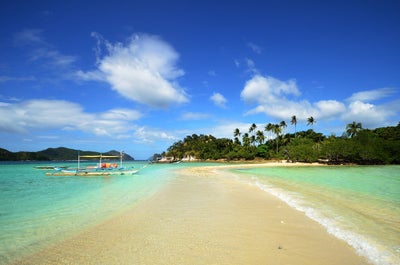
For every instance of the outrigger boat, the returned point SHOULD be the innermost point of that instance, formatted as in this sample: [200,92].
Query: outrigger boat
[50,167]
[101,169]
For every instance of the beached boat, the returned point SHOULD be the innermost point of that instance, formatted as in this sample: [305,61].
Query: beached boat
[101,169]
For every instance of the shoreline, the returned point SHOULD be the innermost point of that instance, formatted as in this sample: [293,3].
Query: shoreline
[204,215]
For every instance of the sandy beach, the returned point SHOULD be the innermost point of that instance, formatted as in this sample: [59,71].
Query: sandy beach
[204,216]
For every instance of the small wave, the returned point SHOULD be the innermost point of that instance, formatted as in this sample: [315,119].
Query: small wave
[363,246]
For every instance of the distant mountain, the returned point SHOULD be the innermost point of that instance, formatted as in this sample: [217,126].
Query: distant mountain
[49,154]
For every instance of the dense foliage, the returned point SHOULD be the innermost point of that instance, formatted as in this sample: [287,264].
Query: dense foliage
[356,145]
[58,154]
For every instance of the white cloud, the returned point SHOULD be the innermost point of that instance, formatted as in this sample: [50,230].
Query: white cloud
[280,100]
[372,115]
[42,114]
[151,135]
[143,70]
[372,95]
[329,109]
[268,90]
[219,100]
[368,114]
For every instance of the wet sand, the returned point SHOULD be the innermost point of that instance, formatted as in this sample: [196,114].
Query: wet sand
[204,216]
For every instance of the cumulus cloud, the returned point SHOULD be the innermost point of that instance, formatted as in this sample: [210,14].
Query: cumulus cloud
[267,90]
[219,100]
[281,100]
[39,114]
[143,70]
[361,107]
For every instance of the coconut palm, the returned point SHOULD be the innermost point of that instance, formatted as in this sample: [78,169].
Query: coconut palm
[237,134]
[311,121]
[246,139]
[260,137]
[277,130]
[283,125]
[252,128]
[269,127]
[353,128]
[294,122]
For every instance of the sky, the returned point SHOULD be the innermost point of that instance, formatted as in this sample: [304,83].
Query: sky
[138,76]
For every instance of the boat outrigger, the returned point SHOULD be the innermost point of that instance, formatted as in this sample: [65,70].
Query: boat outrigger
[101,169]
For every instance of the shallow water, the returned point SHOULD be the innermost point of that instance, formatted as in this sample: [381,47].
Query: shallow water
[359,204]
[37,210]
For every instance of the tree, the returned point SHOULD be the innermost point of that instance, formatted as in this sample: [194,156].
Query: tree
[353,128]
[246,139]
[252,128]
[269,127]
[236,134]
[283,125]
[277,129]
[294,122]
[311,121]
[260,137]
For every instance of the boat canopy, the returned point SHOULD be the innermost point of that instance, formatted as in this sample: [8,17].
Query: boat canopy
[98,156]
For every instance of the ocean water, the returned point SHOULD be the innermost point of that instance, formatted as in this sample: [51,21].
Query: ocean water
[358,204]
[37,210]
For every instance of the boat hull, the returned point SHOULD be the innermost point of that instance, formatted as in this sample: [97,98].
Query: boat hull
[92,174]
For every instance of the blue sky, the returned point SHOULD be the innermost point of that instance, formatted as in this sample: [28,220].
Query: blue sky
[140,75]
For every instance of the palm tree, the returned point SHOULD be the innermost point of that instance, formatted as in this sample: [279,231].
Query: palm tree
[246,139]
[283,125]
[311,121]
[253,140]
[277,129]
[260,137]
[252,128]
[269,127]
[236,134]
[353,128]
[294,122]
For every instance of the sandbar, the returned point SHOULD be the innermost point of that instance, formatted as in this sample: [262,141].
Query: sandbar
[204,215]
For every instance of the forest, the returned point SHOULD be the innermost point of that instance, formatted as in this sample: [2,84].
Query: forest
[356,146]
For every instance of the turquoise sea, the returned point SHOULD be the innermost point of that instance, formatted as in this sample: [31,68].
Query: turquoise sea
[360,205]
[37,210]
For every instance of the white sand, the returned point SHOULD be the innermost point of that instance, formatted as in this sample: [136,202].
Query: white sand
[204,216]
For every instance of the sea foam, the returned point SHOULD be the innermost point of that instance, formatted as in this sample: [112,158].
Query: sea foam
[364,246]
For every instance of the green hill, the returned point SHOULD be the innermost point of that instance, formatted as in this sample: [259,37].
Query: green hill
[49,154]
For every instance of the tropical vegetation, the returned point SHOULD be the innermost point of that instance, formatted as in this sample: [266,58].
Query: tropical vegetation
[356,145]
